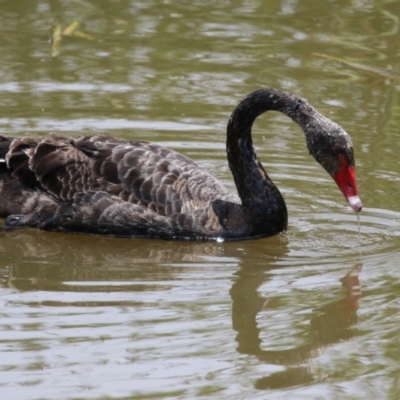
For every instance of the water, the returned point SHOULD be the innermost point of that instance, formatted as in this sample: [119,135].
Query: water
[311,314]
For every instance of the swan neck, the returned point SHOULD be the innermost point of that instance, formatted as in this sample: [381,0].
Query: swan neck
[260,197]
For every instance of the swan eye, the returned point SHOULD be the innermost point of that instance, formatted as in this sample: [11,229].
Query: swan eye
[297,105]
[335,151]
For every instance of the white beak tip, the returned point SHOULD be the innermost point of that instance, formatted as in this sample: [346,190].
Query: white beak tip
[355,203]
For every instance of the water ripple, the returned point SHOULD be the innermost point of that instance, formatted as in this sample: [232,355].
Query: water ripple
[320,235]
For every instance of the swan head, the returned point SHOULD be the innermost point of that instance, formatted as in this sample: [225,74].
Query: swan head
[331,146]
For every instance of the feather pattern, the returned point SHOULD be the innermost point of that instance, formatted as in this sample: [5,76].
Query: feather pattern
[100,184]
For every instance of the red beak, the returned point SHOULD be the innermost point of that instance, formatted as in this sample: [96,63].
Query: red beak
[345,178]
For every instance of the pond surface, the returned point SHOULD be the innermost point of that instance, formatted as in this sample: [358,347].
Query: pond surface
[312,314]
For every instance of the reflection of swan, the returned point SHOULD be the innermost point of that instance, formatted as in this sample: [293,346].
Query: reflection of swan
[153,271]
[37,261]
[330,324]
[105,185]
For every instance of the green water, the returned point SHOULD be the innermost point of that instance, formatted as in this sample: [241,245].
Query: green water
[312,314]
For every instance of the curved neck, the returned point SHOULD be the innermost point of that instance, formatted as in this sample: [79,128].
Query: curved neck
[260,197]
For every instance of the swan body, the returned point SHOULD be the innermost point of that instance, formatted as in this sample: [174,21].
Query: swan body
[110,186]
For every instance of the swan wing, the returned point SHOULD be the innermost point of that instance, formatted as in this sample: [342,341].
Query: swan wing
[149,175]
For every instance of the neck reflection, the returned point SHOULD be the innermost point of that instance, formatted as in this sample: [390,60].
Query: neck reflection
[330,323]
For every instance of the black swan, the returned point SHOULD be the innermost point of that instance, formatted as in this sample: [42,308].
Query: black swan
[109,186]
